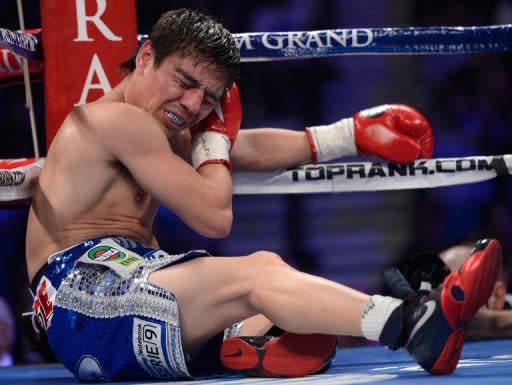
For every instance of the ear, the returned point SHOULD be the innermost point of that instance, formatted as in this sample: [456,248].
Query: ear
[145,56]
[497,299]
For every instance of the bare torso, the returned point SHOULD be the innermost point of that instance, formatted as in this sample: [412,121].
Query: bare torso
[113,159]
[109,201]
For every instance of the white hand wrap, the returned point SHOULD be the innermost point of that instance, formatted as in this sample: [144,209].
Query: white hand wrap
[210,147]
[332,141]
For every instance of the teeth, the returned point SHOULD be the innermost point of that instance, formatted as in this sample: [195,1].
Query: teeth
[173,118]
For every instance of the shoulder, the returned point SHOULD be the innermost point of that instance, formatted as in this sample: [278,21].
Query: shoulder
[115,121]
[111,131]
[113,114]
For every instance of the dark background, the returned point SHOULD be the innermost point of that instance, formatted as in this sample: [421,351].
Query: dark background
[347,237]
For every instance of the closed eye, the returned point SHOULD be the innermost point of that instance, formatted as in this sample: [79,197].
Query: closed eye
[184,84]
[186,80]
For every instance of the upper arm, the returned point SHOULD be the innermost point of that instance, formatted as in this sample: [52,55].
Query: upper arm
[139,142]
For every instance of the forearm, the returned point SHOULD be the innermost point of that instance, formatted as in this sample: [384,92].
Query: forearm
[207,203]
[270,149]
[396,133]
[220,186]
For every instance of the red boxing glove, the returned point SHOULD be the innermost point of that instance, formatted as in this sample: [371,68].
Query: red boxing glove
[394,132]
[214,136]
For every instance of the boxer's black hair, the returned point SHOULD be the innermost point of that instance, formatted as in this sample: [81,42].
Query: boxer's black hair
[192,33]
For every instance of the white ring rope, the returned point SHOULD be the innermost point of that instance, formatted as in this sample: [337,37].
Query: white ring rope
[17,182]
[374,176]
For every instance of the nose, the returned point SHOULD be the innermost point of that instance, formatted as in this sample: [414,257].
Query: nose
[192,100]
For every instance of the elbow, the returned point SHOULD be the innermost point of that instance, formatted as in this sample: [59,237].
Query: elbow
[221,232]
[224,227]
[220,227]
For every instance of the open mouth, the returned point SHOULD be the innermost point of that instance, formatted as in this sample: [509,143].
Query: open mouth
[174,119]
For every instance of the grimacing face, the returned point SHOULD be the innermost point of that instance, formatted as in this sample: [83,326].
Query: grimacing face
[181,91]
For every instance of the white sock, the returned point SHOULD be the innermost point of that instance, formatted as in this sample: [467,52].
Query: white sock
[375,314]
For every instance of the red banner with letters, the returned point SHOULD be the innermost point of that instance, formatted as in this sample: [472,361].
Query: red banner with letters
[84,41]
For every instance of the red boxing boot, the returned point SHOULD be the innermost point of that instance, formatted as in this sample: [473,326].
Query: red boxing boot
[290,355]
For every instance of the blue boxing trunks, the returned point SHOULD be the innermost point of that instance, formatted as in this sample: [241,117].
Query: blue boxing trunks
[105,321]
